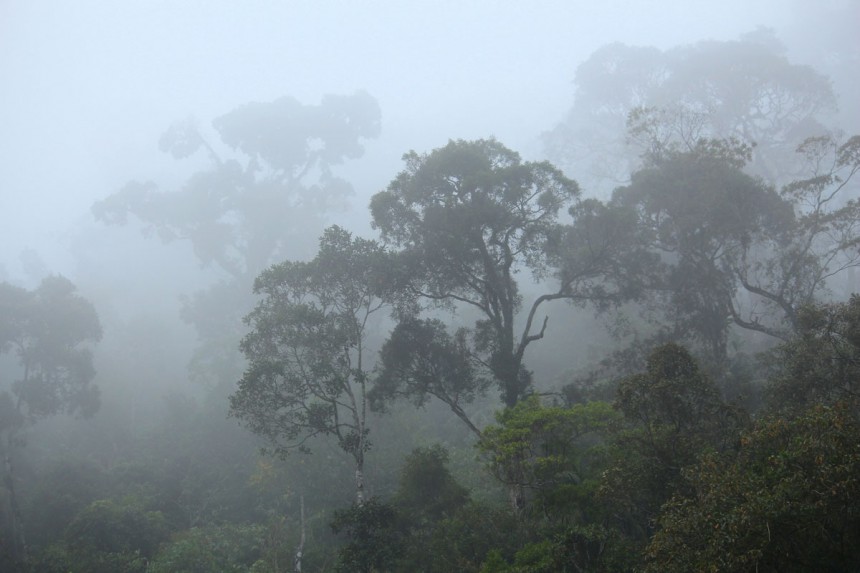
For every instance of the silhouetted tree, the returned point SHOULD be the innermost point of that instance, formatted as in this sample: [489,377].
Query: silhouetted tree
[50,330]
[470,216]
[250,207]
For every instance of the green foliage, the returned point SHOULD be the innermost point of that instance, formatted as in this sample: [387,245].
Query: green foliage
[733,251]
[211,549]
[742,195]
[700,213]
[464,541]
[60,493]
[787,502]
[667,468]
[307,374]
[421,360]
[672,414]
[50,330]
[576,549]
[427,495]
[672,393]
[427,491]
[60,558]
[602,258]
[110,535]
[374,541]
[114,527]
[822,363]
[549,453]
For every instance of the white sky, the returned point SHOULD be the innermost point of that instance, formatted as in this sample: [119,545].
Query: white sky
[88,86]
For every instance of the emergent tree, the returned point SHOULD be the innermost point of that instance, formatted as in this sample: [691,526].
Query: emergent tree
[746,89]
[470,216]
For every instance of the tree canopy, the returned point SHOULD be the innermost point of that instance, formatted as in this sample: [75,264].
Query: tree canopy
[746,89]
[267,183]
[51,330]
[468,218]
[308,371]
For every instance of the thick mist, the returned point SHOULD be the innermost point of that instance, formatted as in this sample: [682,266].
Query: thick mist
[191,193]
[90,88]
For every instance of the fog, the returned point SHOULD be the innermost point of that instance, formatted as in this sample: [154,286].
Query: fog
[89,88]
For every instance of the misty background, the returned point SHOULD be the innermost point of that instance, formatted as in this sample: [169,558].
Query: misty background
[89,87]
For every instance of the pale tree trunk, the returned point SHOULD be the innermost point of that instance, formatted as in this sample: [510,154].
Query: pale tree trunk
[360,419]
[359,483]
[297,562]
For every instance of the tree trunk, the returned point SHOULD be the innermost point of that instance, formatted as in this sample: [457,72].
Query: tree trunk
[359,483]
[297,562]
[517,498]
[515,480]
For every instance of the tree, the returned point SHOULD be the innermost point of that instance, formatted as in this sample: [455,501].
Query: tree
[821,364]
[786,502]
[421,360]
[589,548]
[746,89]
[50,330]
[427,491]
[545,455]
[734,251]
[470,216]
[787,499]
[672,413]
[464,541]
[699,213]
[228,548]
[308,372]
[107,536]
[374,542]
[251,207]
[797,265]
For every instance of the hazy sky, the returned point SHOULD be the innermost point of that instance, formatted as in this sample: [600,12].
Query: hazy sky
[87,87]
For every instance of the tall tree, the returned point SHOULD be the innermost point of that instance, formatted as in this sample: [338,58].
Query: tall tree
[308,371]
[470,216]
[267,186]
[735,251]
[697,211]
[50,330]
[803,262]
[745,89]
